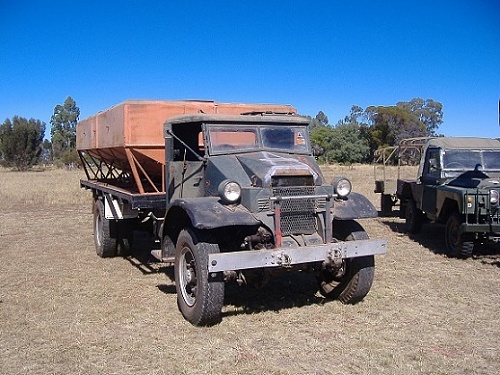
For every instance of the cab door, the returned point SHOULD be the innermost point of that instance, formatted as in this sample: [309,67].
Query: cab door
[430,178]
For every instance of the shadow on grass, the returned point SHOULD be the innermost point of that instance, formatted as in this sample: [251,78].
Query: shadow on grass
[140,255]
[432,238]
[284,291]
[293,289]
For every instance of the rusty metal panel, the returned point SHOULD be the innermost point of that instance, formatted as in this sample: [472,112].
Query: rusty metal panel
[137,126]
[139,123]
[85,133]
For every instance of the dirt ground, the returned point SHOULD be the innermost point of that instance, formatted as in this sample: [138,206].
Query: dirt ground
[63,310]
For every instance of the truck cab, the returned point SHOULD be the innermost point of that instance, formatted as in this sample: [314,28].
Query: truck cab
[246,199]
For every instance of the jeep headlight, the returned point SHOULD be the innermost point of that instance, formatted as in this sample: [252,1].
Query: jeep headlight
[494,196]
[342,187]
[229,191]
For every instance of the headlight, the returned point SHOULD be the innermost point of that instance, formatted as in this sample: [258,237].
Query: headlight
[494,197]
[342,187]
[229,191]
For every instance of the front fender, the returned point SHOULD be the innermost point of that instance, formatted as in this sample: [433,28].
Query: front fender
[209,213]
[356,206]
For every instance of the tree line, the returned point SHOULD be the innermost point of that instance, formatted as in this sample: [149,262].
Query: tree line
[353,139]
[22,143]
[356,137]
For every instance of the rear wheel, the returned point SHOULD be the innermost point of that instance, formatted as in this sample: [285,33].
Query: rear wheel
[352,281]
[458,244]
[413,217]
[104,232]
[200,295]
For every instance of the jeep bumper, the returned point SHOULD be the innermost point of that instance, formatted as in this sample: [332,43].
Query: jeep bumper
[288,257]
[480,228]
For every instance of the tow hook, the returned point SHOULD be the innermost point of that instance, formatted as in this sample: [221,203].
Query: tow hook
[335,256]
[284,260]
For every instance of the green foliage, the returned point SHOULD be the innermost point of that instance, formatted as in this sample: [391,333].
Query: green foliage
[390,125]
[20,142]
[429,113]
[321,138]
[70,158]
[356,137]
[46,156]
[320,120]
[63,127]
[348,146]
[344,143]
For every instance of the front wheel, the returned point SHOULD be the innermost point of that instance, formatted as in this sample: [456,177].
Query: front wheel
[458,244]
[352,281]
[200,295]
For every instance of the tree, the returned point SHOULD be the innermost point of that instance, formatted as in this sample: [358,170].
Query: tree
[350,143]
[348,146]
[429,112]
[320,120]
[344,143]
[63,130]
[390,125]
[20,142]
[321,138]
[46,155]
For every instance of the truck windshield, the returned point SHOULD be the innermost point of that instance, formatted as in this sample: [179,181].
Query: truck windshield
[463,160]
[232,139]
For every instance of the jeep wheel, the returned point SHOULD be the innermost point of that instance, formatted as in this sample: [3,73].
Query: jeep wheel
[352,281]
[105,244]
[413,217]
[200,299]
[458,244]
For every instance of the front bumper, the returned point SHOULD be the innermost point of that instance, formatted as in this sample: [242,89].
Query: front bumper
[480,228]
[288,257]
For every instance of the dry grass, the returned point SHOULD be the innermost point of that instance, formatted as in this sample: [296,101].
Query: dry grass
[63,310]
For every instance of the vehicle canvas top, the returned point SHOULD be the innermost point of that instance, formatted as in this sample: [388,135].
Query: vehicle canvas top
[464,142]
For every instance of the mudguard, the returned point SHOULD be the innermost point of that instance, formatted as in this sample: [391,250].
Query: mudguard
[356,206]
[209,213]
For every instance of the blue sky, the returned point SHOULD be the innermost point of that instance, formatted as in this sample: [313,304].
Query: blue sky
[318,56]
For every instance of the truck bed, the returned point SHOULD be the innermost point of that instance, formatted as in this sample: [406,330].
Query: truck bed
[128,193]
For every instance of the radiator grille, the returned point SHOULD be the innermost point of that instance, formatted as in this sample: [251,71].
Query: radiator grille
[297,215]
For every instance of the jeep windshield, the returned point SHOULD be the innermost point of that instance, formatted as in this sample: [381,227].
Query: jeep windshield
[224,139]
[465,160]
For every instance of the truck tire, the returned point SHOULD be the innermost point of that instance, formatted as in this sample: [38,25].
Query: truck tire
[460,245]
[200,297]
[414,218]
[353,281]
[104,232]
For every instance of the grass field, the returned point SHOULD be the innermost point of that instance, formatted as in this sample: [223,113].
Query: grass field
[63,310]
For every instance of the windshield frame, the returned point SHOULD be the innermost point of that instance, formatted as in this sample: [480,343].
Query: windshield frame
[265,136]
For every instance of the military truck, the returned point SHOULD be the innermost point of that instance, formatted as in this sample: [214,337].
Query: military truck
[241,198]
[458,185]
